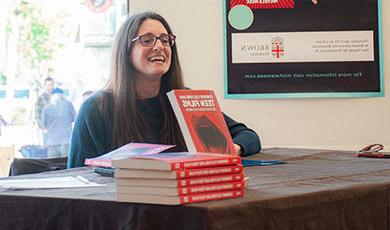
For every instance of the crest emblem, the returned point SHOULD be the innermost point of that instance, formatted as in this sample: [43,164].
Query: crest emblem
[277,47]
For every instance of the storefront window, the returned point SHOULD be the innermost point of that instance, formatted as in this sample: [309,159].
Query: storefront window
[68,41]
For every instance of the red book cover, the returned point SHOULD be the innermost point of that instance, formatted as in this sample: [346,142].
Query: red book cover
[201,121]
[177,160]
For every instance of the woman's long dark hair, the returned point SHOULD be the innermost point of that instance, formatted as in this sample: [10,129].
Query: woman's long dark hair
[127,122]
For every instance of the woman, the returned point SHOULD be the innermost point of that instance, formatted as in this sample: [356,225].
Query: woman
[134,106]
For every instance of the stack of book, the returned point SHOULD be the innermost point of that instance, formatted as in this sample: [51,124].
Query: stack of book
[178,178]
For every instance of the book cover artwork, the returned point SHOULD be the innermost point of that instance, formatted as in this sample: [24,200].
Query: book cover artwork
[201,121]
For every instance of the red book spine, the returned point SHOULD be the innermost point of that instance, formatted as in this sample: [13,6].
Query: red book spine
[209,180]
[202,163]
[208,171]
[193,198]
[211,188]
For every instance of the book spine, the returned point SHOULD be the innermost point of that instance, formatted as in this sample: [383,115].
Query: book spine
[208,171]
[207,163]
[100,163]
[211,188]
[209,180]
[193,198]
[175,102]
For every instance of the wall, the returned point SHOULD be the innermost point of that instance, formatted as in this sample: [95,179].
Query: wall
[341,123]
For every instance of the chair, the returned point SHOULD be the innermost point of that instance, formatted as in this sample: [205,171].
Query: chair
[21,166]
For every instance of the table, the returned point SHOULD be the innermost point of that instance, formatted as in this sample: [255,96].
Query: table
[316,189]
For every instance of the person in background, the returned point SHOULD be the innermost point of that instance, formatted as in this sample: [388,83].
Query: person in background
[57,119]
[3,122]
[42,101]
[134,106]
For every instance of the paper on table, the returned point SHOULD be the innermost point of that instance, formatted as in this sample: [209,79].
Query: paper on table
[47,183]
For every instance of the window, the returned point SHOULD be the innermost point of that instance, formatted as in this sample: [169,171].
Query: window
[69,41]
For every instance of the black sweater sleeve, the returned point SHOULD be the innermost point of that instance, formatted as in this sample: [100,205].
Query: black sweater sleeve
[243,136]
[91,135]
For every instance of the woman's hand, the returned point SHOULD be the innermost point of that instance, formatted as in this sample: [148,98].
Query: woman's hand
[238,148]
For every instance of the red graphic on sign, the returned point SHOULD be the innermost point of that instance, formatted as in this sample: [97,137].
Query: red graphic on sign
[97,6]
[277,47]
[264,4]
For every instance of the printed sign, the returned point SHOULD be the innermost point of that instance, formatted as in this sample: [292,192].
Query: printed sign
[302,49]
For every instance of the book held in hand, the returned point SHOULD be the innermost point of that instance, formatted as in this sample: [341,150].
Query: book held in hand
[128,150]
[201,121]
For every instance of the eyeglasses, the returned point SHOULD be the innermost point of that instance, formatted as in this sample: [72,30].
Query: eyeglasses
[149,40]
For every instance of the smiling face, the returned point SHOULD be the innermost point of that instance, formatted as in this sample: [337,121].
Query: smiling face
[151,62]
